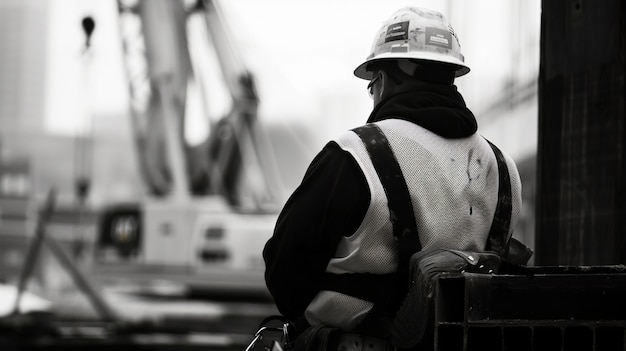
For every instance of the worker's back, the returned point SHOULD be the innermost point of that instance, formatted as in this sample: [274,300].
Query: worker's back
[453,185]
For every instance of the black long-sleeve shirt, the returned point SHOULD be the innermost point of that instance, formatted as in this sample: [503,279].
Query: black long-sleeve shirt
[330,202]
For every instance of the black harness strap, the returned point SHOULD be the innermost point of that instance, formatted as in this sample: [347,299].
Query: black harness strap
[398,197]
[499,232]
[402,219]
[364,286]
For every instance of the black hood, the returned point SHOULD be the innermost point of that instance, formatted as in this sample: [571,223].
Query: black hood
[438,108]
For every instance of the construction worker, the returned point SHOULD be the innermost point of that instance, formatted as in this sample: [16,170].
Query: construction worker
[333,247]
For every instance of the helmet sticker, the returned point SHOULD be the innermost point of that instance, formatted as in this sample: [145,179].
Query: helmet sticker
[397,31]
[404,47]
[438,37]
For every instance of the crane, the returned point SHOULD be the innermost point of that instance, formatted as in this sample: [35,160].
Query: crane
[209,207]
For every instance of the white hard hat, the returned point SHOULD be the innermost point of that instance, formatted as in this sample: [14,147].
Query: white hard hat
[416,34]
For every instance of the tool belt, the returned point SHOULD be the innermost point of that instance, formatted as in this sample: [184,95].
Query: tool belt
[357,342]
[314,338]
[324,338]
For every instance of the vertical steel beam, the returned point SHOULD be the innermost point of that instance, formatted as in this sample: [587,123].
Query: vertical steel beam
[581,193]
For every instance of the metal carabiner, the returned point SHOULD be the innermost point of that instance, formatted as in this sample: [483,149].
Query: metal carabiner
[259,335]
[285,341]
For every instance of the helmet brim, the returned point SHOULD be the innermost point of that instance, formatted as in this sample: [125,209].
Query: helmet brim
[363,71]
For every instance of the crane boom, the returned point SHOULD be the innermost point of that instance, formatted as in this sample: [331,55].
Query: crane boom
[158,66]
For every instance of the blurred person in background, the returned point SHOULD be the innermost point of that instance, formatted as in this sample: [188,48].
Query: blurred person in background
[333,254]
